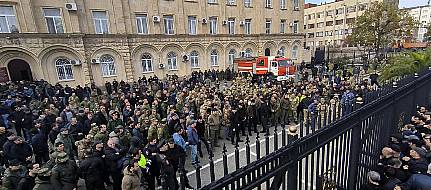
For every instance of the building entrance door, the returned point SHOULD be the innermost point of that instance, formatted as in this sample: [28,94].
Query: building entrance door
[19,70]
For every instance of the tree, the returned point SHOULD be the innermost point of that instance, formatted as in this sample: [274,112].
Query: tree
[379,26]
[428,34]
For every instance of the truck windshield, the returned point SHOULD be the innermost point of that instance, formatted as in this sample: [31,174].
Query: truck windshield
[283,63]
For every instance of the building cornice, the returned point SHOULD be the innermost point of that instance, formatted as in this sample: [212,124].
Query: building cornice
[77,35]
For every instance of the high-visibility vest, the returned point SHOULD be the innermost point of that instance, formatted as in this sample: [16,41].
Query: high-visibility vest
[142,161]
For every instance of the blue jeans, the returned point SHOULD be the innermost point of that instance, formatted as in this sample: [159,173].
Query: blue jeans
[194,149]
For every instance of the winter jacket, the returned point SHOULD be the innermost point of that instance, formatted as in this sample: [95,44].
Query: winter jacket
[40,143]
[20,152]
[64,175]
[68,142]
[418,182]
[12,178]
[43,185]
[131,181]
[192,136]
[179,140]
[92,169]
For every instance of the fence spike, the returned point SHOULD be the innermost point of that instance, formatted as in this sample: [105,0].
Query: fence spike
[247,149]
[267,142]
[257,146]
[283,135]
[225,169]
[211,162]
[275,138]
[198,177]
[236,156]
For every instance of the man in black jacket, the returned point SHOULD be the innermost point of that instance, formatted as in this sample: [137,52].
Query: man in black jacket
[92,170]
[177,157]
[114,156]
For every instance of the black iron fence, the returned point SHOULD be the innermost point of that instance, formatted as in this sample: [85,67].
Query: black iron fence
[333,147]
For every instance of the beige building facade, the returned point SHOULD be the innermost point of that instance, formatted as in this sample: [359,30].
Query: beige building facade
[76,42]
[327,24]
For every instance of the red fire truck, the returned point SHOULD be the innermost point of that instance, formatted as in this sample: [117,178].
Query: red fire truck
[280,67]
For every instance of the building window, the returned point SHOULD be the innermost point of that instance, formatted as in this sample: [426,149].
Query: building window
[192,25]
[329,13]
[7,20]
[212,1]
[282,51]
[268,26]
[53,20]
[213,25]
[295,27]
[282,4]
[64,69]
[232,55]
[296,5]
[100,22]
[214,58]
[295,52]
[247,3]
[147,63]
[194,59]
[320,25]
[141,24]
[268,3]
[339,11]
[231,2]
[108,65]
[248,52]
[339,22]
[247,26]
[282,26]
[231,25]
[169,24]
[172,61]
[351,9]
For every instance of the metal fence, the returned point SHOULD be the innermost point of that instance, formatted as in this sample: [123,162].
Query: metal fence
[333,149]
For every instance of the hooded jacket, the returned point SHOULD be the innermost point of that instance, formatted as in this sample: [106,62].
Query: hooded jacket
[131,181]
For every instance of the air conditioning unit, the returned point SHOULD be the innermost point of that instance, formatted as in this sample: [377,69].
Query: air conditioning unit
[241,23]
[71,7]
[75,62]
[224,22]
[185,58]
[296,9]
[156,19]
[95,61]
[204,21]
[242,53]
[161,66]
[291,24]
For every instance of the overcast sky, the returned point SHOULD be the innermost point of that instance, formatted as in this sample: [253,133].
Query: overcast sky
[403,3]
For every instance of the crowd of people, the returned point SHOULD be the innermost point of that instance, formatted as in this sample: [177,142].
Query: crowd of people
[137,135]
[405,161]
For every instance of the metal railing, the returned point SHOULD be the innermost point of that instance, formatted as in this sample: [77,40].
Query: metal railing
[345,139]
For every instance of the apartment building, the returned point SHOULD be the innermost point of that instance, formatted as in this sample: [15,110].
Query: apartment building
[81,41]
[421,14]
[328,23]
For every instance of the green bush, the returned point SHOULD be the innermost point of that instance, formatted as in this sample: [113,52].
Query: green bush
[403,65]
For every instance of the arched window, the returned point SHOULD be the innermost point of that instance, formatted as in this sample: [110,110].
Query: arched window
[64,69]
[214,58]
[282,51]
[232,55]
[147,63]
[108,65]
[248,52]
[194,59]
[295,52]
[172,61]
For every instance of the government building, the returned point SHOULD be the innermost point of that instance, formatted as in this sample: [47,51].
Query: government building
[76,42]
